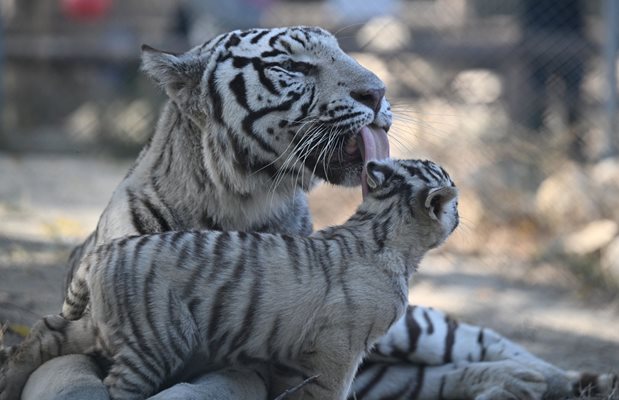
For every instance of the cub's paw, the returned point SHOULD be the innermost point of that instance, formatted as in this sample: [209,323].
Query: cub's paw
[5,353]
[13,377]
[507,380]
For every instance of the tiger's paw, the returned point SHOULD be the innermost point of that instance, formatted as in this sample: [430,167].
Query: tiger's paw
[605,386]
[507,380]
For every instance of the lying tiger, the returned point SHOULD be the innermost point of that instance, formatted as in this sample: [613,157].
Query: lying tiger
[254,119]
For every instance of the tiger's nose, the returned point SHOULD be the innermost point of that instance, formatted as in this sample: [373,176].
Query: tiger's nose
[369,97]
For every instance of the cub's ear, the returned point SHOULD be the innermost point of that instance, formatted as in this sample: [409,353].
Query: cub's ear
[174,72]
[438,198]
[378,172]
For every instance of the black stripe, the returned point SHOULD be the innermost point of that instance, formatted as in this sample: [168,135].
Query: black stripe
[118,304]
[384,195]
[430,328]
[271,53]
[136,370]
[217,310]
[215,96]
[379,232]
[441,389]
[286,46]
[323,259]
[220,257]
[240,152]
[420,377]
[296,39]
[359,395]
[137,219]
[240,62]
[293,255]
[237,85]
[164,226]
[260,66]
[413,328]
[306,107]
[336,120]
[150,319]
[248,127]
[185,251]
[274,38]
[176,221]
[480,341]
[137,346]
[177,327]
[82,295]
[234,40]
[452,325]
[254,300]
[258,36]
[199,241]
[126,384]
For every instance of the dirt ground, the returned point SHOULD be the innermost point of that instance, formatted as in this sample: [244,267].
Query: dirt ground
[47,204]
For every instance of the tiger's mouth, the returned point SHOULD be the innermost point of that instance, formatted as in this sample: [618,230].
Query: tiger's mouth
[374,145]
[345,166]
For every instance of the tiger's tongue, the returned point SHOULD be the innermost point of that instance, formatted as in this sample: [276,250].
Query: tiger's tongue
[374,146]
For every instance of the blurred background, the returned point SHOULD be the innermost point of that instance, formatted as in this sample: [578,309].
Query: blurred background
[516,98]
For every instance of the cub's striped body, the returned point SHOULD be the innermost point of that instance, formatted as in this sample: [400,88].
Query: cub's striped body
[312,305]
[253,118]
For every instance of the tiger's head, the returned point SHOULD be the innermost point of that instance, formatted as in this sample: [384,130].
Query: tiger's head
[285,102]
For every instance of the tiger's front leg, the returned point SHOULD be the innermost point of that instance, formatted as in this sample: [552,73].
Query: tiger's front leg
[427,337]
[51,337]
[500,380]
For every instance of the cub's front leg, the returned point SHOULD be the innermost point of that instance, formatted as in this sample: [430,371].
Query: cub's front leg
[319,377]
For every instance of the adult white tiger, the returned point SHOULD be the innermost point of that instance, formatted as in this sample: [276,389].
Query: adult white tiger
[253,117]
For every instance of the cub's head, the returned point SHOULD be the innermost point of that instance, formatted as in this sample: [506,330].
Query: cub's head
[415,200]
[286,102]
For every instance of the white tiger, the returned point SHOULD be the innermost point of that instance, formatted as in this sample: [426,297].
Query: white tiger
[310,305]
[253,118]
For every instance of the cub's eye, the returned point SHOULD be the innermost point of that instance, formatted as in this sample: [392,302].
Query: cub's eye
[298,66]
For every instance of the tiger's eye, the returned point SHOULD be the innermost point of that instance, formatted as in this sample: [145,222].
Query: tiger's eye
[298,66]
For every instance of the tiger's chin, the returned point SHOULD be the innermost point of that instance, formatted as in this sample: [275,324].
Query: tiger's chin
[342,176]
[346,165]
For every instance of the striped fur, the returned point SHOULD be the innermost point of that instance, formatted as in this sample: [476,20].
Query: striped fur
[312,305]
[248,127]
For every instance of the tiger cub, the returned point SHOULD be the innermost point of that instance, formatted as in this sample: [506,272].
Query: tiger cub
[314,304]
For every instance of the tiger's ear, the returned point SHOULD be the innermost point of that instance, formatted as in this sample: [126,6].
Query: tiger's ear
[174,72]
[438,198]
[378,172]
